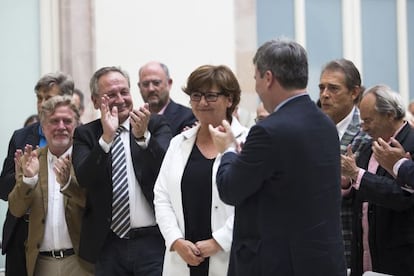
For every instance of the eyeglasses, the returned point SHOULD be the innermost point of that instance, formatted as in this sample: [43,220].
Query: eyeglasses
[208,96]
[147,83]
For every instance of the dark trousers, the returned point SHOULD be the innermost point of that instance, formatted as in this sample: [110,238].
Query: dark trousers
[15,255]
[139,256]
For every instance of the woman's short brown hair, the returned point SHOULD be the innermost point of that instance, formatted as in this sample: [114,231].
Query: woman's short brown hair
[207,76]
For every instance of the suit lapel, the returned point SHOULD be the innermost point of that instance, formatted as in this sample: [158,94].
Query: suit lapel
[43,176]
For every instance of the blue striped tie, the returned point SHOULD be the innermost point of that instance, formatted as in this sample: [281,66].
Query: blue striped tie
[120,199]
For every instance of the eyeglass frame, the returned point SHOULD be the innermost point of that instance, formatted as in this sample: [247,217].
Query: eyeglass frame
[207,94]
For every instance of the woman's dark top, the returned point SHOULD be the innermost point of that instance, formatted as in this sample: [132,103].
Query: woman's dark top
[196,199]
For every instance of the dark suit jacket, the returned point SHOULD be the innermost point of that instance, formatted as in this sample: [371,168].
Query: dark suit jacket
[21,137]
[390,217]
[93,169]
[406,174]
[285,186]
[178,117]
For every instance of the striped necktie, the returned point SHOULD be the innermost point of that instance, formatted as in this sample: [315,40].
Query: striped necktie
[120,199]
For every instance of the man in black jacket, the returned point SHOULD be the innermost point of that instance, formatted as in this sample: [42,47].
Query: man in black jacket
[136,246]
[155,85]
[383,224]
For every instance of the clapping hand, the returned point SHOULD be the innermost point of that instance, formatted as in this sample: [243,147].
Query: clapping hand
[349,168]
[17,163]
[109,119]
[139,120]
[387,155]
[27,160]
[62,169]
[223,137]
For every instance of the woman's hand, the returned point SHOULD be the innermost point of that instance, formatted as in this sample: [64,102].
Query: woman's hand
[208,247]
[188,252]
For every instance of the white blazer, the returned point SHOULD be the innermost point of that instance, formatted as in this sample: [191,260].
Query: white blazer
[169,209]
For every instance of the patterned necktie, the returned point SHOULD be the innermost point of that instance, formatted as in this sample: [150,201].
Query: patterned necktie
[120,199]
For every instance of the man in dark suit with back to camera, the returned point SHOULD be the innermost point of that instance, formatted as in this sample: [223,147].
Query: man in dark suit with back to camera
[15,229]
[155,84]
[285,181]
[117,159]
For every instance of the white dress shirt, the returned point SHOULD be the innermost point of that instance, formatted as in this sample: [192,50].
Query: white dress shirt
[141,213]
[56,234]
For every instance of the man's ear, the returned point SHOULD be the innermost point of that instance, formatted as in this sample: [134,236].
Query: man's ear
[269,77]
[95,102]
[356,92]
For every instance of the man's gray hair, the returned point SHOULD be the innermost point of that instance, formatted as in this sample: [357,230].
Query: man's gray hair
[388,101]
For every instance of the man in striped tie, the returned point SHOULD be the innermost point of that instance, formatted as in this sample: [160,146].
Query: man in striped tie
[117,159]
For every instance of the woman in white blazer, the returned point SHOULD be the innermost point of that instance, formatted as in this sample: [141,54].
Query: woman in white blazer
[197,226]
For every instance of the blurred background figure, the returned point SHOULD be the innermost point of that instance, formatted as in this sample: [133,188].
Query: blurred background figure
[34,118]
[79,100]
[155,84]
[244,116]
[261,113]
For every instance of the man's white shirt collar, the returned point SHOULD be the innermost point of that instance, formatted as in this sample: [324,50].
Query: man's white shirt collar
[343,125]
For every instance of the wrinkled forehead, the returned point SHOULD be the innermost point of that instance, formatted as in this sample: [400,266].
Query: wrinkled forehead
[63,112]
[153,74]
[110,81]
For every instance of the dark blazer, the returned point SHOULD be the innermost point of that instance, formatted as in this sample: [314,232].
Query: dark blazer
[21,137]
[406,174]
[93,171]
[390,217]
[178,117]
[285,186]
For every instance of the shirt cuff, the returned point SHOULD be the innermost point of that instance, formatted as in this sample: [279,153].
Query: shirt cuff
[398,164]
[104,145]
[230,149]
[144,142]
[31,181]
[357,182]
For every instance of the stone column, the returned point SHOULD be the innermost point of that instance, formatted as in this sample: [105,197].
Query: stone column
[246,45]
[77,46]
